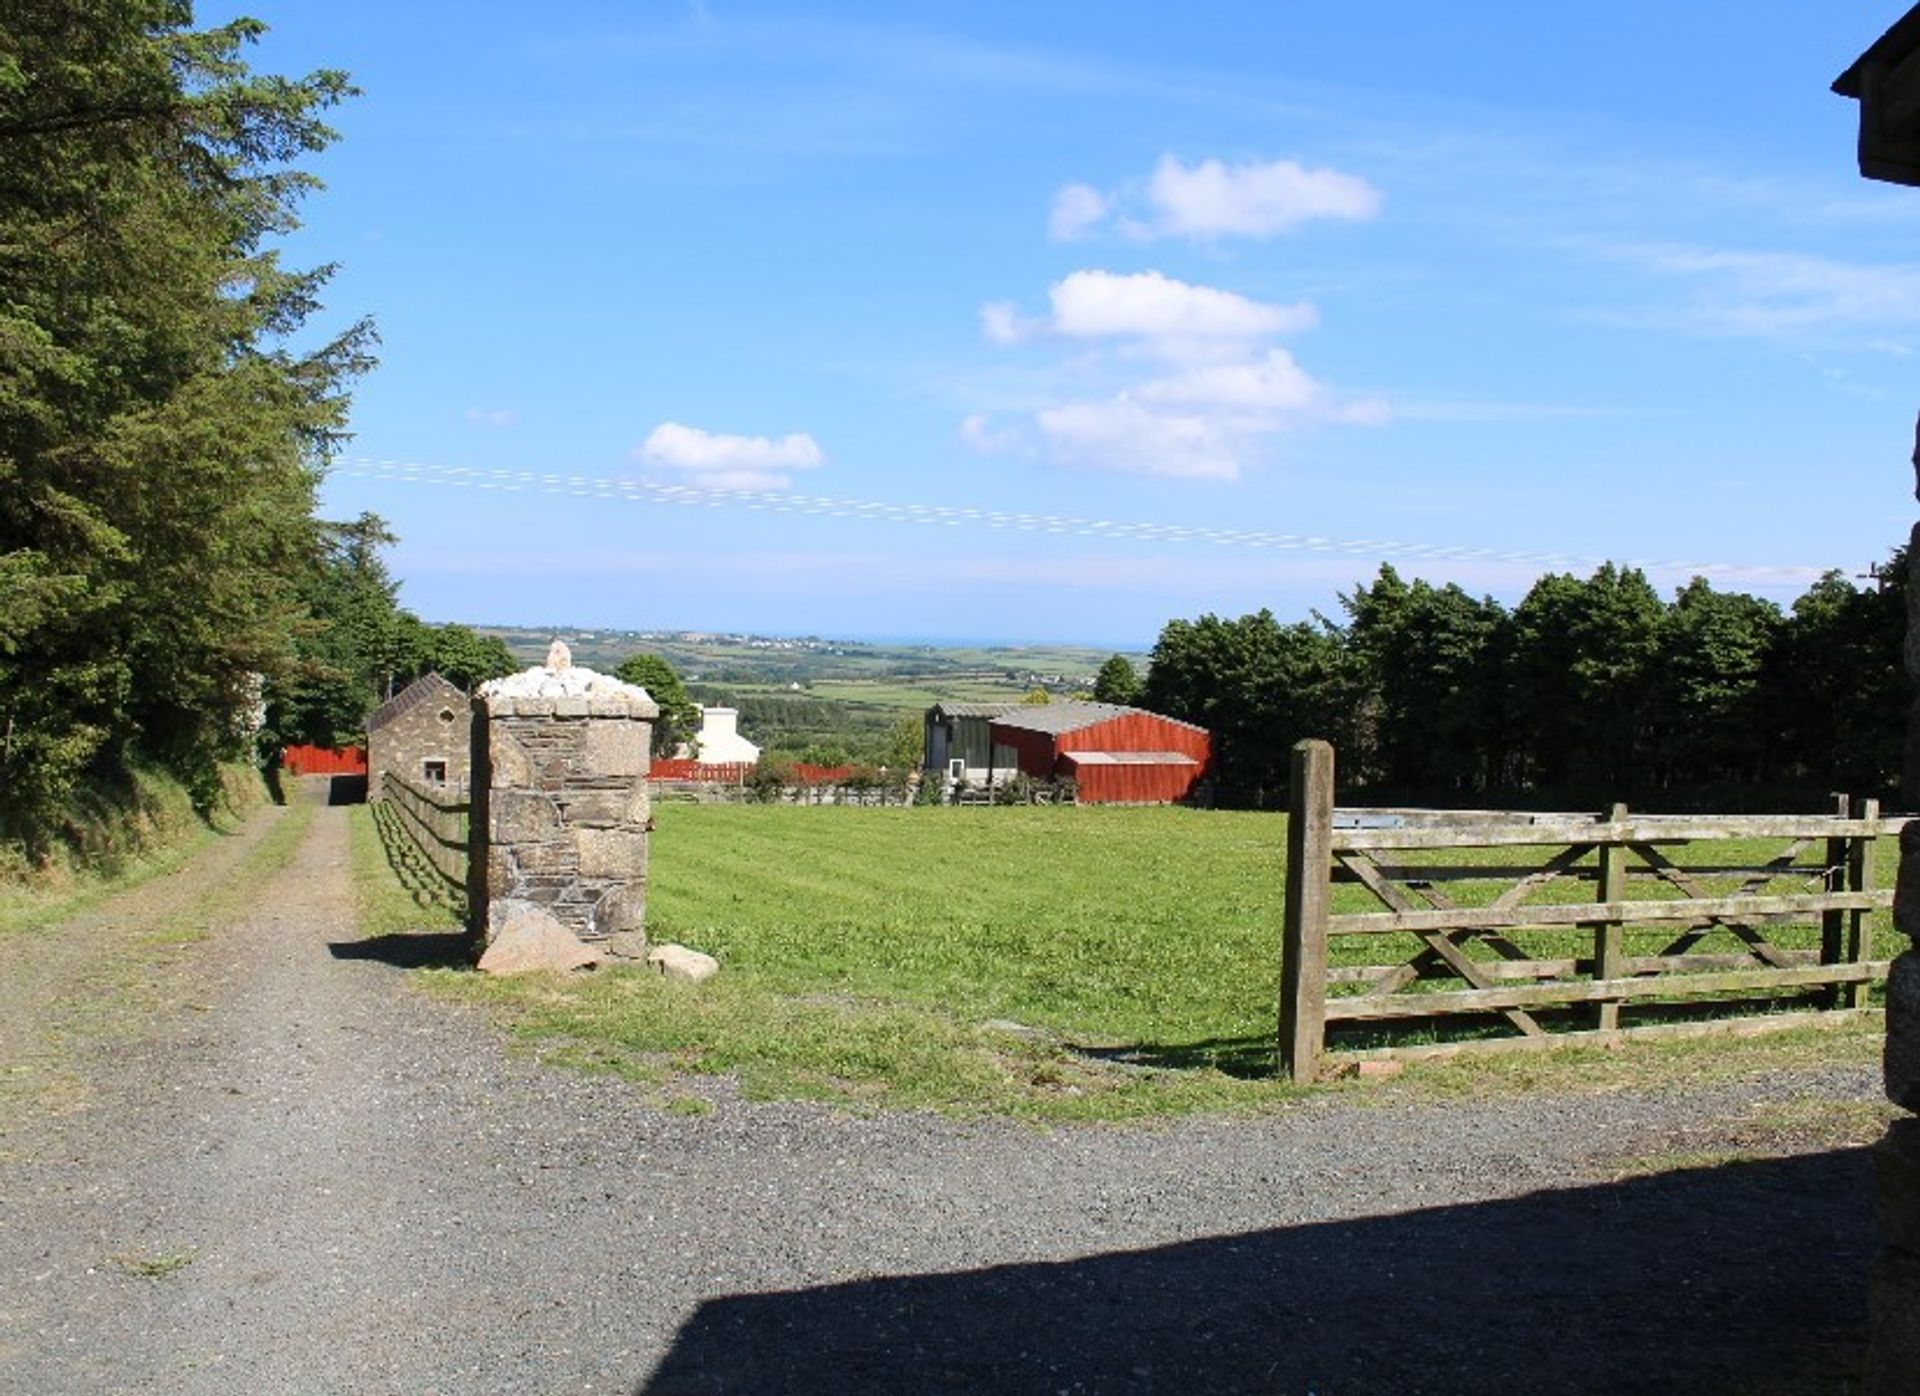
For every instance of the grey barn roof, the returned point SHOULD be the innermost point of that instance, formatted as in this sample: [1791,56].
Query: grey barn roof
[428,688]
[1056,718]
[973,709]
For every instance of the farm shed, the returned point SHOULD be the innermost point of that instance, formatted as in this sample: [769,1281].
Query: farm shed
[422,734]
[1116,755]
[1131,777]
[960,744]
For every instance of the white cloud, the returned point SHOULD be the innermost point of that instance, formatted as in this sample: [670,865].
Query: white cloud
[1273,382]
[1089,304]
[496,417]
[721,461]
[983,437]
[1203,424]
[1003,324]
[1147,305]
[1076,209]
[1212,199]
[1121,434]
[1227,393]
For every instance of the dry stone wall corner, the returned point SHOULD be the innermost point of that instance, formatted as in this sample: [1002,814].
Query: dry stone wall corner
[560,807]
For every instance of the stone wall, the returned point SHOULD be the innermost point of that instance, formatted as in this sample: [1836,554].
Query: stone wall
[426,722]
[561,813]
[1893,1361]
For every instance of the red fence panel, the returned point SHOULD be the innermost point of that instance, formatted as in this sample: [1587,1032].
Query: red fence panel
[679,768]
[819,775]
[324,761]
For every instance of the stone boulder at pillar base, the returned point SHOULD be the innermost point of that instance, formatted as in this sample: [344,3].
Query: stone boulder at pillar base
[678,962]
[529,939]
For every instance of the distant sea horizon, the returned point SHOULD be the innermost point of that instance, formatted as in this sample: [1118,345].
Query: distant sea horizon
[950,642]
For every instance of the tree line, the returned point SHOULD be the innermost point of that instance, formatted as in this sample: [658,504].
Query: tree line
[1589,690]
[167,410]
[358,646]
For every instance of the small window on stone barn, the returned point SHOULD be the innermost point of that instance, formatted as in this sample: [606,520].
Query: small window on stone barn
[435,771]
[446,714]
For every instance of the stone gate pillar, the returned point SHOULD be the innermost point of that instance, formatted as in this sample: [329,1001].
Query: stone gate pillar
[1893,1359]
[560,812]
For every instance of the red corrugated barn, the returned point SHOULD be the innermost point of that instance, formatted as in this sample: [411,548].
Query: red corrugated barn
[1116,755]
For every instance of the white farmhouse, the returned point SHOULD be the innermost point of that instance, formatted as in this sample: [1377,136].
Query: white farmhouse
[719,741]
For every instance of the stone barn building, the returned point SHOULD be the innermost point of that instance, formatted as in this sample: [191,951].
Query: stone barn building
[422,734]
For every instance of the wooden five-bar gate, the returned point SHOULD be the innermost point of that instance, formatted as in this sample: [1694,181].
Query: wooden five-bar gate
[1481,921]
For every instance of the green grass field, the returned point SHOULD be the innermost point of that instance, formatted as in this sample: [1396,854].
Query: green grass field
[1050,962]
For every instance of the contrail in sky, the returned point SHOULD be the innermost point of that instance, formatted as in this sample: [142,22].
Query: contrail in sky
[962,516]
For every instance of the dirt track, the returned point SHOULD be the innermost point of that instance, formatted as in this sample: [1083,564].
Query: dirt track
[280,1170]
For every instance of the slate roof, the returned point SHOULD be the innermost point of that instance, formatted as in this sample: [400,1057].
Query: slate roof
[973,709]
[428,688]
[1056,718]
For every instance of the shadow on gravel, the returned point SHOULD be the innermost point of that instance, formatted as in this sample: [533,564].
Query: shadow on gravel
[424,950]
[1747,1278]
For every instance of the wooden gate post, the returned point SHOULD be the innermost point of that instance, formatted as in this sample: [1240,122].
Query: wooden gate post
[1833,924]
[1860,923]
[1303,951]
[1609,937]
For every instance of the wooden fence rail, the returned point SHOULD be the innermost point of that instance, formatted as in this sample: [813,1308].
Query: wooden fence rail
[1528,973]
[436,823]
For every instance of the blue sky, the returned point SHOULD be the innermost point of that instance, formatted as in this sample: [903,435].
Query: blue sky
[774,316]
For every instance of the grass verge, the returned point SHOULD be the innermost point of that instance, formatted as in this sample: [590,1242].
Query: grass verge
[1052,964]
[382,903]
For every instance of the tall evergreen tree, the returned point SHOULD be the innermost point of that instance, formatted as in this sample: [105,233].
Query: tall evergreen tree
[1258,686]
[1709,712]
[159,439]
[1428,659]
[1540,694]
[1117,682]
[1837,686]
[1615,644]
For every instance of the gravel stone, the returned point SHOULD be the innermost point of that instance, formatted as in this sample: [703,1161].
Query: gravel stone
[295,1174]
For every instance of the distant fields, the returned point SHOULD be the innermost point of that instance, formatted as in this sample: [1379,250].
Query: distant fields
[794,694]
[1053,962]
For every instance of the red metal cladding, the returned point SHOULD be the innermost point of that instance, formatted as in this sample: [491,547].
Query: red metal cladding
[1133,783]
[1043,755]
[1140,732]
[1038,752]
[324,761]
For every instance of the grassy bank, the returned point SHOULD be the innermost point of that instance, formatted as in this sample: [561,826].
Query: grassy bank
[1052,963]
[118,835]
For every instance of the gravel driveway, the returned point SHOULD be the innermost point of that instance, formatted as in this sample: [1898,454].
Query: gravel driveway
[291,1173]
